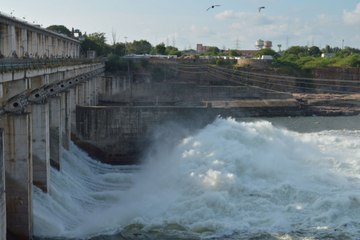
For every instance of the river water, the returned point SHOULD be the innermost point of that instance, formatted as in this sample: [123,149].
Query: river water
[277,178]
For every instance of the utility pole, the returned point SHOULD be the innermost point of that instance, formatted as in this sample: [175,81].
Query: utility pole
[237,44]
[130,81]
[125,45]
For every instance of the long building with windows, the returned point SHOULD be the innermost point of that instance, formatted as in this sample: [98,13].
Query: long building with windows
[20,39]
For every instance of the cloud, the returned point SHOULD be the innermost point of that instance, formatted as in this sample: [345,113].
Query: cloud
[228,14]
[352,17]
[241,29]
[250,19]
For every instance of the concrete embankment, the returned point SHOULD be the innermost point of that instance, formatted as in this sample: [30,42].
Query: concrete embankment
[118,134]
[120,129]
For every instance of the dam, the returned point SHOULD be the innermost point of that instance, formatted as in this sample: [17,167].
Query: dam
[42,79]
[50,97]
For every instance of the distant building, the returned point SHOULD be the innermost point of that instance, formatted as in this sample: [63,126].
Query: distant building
[267,57]
[261,44]
[247,53]
[201,48]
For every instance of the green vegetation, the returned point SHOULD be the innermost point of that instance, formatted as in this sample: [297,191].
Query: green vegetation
[266,51]
[60,29]
[297,59]
[308,58]
[96,42]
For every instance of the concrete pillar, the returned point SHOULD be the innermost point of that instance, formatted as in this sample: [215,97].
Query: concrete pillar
[18,168]
[65,123]
[11,40]
[29,42]
[67,49]
[81,93]
[46,46]
[42,45]
[94,93]
[62,48]
[53,46]
[87,92]
[55,133]
[2,190]
[24,43]
[76,51]
[73,103]
[35,45]
[92,96]
[41,146]
[3,38]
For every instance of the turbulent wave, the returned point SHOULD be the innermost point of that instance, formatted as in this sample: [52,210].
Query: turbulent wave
[229,178]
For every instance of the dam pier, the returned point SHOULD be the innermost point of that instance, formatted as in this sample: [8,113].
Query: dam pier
[42,79]
[36,125]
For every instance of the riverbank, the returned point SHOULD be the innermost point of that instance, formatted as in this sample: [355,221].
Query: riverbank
[327,104]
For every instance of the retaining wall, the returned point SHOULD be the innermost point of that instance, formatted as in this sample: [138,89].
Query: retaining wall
[187,93]
[118,135]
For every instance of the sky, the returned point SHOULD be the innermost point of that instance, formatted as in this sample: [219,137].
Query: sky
[235,24]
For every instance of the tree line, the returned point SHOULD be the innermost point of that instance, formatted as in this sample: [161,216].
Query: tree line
[306,58]
[301,58]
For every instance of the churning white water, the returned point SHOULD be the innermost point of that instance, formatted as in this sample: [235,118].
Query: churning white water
[233,179]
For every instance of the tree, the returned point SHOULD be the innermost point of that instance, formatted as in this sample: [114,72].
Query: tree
[96,42]
[115,63]
[266,51]
[160,49]
[98,38]
[60,29]
[234,53]
[298,51]
[139,47]
[327,49]
[170,50]
[119,49]
[314,51]
[212,51]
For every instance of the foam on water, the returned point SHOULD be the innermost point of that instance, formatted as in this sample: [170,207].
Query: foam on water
[229,177]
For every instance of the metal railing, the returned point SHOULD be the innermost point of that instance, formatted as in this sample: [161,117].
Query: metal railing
[8,64]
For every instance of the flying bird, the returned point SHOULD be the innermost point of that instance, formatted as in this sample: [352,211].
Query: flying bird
[213,6]
[262,7]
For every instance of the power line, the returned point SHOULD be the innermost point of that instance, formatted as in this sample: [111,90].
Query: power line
[271,82]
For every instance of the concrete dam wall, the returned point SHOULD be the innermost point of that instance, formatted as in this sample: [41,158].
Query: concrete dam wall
[185,94]
[119,134]
[120,128]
